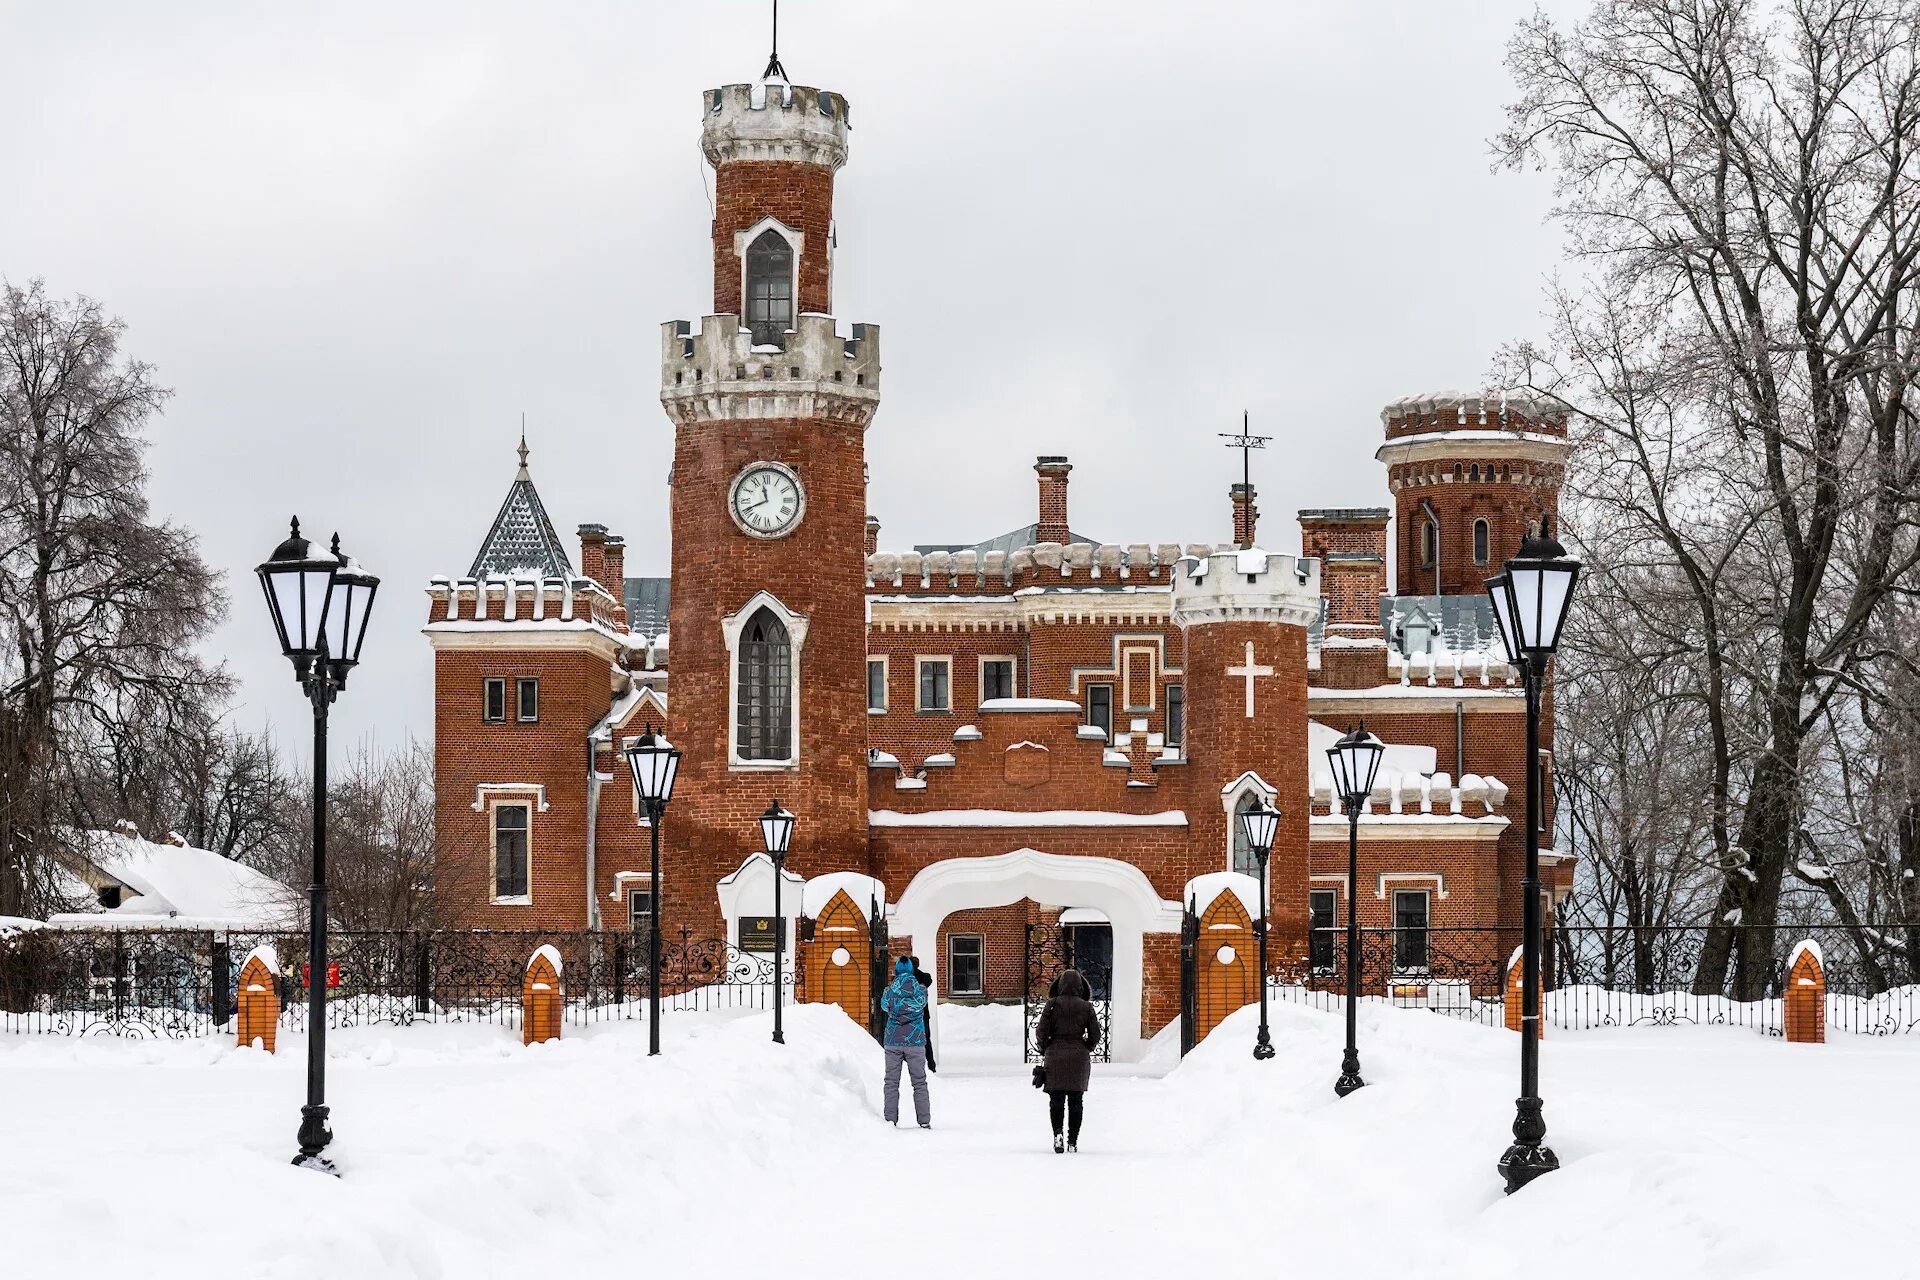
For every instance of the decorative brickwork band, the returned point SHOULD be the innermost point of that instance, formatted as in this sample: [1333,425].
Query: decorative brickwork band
[541,997]
[259,999]
[1806,997]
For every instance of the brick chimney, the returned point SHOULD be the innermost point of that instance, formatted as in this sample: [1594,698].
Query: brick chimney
[593,552]
[1245,515]
[1052,525]
[873,535]
[1351,545]
[616,580]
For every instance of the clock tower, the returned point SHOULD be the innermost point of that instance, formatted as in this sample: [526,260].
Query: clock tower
[770,404]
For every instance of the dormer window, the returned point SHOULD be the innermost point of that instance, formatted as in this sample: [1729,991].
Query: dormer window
[769,288]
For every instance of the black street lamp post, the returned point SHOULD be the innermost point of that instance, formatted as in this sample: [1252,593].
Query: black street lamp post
[1356,762]
[776,828]
[319,605]
[1530,601]
[1259,821]
[654,763]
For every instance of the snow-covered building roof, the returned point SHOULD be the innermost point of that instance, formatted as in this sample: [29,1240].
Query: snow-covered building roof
[133,882]
[647,600]
[522,542]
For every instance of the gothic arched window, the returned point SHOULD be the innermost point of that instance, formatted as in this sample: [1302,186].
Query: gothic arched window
[1243,859]
[764,691]
[1429,544]
[769,287]
[1481,538]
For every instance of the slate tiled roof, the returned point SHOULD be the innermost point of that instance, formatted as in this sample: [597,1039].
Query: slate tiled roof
[1461,623]
[522,541]
[647,600]
[1008,542]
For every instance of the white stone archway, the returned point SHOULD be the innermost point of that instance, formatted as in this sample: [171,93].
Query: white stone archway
[1118,889]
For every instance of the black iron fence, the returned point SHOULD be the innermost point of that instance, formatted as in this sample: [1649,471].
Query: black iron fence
[1601,976]
[180,983]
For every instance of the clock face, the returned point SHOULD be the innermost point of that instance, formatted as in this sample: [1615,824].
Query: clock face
[766,500]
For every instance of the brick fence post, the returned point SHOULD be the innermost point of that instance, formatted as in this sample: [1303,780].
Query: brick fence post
[1515,982]
[259,998]
[541,997]
[1806,995]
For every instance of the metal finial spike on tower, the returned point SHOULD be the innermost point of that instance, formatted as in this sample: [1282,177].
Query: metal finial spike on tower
[522,450]
[774,70]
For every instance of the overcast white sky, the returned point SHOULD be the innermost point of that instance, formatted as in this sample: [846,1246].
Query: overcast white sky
[360,239]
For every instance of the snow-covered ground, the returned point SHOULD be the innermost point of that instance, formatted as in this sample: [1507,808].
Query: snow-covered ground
[1687,1152]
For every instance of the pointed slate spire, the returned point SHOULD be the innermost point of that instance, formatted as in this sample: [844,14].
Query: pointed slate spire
[522,541]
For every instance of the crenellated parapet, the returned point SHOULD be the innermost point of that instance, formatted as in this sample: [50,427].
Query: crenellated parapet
[775,121]
[718,373]
[1246,586]
[1042,565]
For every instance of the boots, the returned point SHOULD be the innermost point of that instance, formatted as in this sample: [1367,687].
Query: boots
[1059,1144]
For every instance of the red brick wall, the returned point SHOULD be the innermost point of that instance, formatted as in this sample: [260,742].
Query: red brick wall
[818,571]
[1053,499]
[1507,507]
[800,195]
[552,752]
[1226,743]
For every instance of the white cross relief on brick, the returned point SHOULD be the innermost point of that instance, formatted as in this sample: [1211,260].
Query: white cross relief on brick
[1249,671]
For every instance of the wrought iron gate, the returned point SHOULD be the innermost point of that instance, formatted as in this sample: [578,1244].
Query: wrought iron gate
[1049,954]
[1189,980]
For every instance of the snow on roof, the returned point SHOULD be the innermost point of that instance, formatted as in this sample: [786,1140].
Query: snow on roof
[1029,704]
[863,889]
[1024,818]
[179,882]
[648,601]
[1202,890]
[522,541]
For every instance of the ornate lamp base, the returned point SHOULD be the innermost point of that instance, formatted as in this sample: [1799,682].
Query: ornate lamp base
[1263,1047]
[314,1137]
[1349,1082]
[1528,1157]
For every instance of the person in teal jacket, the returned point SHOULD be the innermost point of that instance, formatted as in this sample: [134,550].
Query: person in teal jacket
[904,1039]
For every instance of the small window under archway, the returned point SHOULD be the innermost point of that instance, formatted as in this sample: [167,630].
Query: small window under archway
[769,287]
[1482,538]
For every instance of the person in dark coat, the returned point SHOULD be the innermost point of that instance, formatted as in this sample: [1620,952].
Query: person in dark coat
[925,980]
[1067,1035]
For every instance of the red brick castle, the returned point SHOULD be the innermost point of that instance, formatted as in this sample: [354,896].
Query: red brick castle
[1034,727]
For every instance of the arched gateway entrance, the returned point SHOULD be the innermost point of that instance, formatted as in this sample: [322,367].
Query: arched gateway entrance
[1118,890]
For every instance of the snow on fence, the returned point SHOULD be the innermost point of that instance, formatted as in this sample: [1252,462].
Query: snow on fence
[1596,977]
[183,983]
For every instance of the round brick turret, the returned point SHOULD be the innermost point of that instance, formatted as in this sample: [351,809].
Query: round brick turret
[1245,616]
[774,148]
[1455,459]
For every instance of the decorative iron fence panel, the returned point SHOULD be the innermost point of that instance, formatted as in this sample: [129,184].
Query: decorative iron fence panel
[1599,976]
[180,983]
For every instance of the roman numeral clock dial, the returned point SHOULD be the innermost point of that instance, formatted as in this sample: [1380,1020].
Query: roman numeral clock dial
[766,500]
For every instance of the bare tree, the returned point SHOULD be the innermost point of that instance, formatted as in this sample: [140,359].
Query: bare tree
[1738,180]
[380,815]
[98,601]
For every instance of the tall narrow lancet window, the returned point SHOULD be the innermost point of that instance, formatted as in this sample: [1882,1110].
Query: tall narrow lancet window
[765,690]
[770,288]
[1481,550]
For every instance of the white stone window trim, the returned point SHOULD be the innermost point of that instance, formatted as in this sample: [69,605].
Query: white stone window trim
[621,883]
[922,660]
[732,627]
[1387,881]
[1013,663]
[886,677]
[1248,783]
[493,807]
[537,790]
[796,243]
